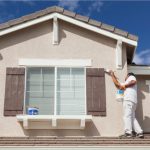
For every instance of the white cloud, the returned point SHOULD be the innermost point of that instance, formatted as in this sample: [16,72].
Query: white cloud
[95,7]
[142,57]
[69,4]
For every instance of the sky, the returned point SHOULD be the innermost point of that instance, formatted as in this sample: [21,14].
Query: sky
[131,16]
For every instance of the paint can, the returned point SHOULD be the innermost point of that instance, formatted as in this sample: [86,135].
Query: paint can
[120,95]
[33,111]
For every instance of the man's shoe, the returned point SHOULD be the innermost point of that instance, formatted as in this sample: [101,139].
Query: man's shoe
[140,135]
[126,135]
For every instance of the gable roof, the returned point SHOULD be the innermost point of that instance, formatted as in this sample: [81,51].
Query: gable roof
[76,19]
[73,15]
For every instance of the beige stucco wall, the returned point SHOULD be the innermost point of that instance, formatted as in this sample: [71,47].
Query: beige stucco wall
[143,108]
[75,42]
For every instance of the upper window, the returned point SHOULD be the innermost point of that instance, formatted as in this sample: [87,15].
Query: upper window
[56,91]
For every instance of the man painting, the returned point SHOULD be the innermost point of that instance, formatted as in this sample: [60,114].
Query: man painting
[129,104]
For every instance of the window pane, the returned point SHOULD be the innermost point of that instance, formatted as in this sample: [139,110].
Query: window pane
[70,91]
[63,85]
[77,73]
[63,73]
[40,89]
[34,74]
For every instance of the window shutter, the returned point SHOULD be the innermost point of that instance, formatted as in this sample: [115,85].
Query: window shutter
[14,91]
[96,94]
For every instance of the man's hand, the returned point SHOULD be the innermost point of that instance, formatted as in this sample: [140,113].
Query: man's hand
[122,87]
[116,82]
[111,73]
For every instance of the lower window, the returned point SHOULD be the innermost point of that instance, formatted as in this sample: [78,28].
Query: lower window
[56,91]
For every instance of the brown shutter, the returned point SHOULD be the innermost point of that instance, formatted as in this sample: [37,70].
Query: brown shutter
[14,91]
[96,94]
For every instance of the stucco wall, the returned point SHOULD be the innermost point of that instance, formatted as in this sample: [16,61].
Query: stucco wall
[75,42]
[143,107]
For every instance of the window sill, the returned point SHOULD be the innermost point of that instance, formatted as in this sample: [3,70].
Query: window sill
[54,121]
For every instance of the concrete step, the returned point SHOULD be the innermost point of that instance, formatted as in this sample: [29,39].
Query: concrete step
[73,141]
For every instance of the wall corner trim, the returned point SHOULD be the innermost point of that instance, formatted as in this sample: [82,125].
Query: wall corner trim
[148,83]
[55,31]
[119,54]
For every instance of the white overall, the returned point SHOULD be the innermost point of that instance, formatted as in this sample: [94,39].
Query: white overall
[130,122]
[129,107]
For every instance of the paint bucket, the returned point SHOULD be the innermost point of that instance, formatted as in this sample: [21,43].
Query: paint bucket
[33,111]
[120,95]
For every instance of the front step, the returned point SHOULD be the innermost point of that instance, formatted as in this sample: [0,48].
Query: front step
[73,141]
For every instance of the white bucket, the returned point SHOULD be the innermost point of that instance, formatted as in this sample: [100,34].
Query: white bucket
[120,95]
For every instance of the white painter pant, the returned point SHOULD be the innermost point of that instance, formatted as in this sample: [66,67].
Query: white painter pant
[130,122]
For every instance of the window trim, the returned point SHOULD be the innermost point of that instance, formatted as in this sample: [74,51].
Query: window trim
[55,92]
[53,121]
[25,83]
[31,62]
[55,87]
[85,91]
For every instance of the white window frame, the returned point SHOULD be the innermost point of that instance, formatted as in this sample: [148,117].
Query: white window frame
[55,87]
[31,62]
[25,83]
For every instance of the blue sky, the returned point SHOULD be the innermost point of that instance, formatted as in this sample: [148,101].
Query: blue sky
[131,16]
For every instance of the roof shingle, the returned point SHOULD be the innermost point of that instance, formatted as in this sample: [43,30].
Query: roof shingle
[120,32]
[69,13]
[107,27]
[82,18]
[95,23]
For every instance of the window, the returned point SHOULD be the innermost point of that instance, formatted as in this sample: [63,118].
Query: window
[70,91]
[59,91]
[40,89]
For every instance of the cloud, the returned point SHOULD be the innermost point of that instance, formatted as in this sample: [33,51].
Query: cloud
[72,5]
[95,7]
[69,4]
[142,57]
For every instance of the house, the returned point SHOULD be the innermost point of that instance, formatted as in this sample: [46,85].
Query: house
[55,60]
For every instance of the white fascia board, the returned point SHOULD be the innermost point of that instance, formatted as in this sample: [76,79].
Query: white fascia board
[70,20]
[139,70]
[56,62]
[26,24]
